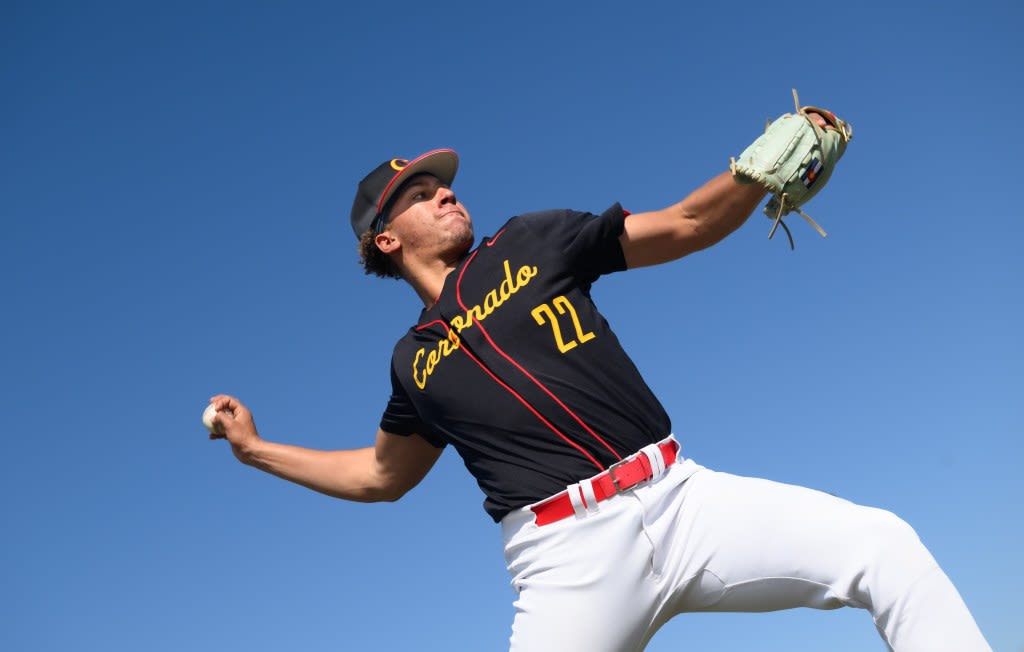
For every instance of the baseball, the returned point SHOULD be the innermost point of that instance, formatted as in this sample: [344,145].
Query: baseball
[208,415]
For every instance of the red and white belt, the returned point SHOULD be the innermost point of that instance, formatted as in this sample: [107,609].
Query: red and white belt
[582,498]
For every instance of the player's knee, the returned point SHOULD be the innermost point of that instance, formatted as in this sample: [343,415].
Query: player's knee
[893,547]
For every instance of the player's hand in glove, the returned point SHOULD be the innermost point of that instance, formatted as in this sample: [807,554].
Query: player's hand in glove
[794,159]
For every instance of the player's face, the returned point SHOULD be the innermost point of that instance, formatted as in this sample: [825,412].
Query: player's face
[426,216]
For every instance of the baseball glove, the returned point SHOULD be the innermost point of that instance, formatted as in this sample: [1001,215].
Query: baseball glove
[794,159]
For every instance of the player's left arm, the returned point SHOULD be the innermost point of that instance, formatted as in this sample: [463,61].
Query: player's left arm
[703,218]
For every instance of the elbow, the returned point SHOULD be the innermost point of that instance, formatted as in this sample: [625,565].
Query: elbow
[703,231]
[389,492]
[365,493]
[391,495]
[692,233]
[368,496]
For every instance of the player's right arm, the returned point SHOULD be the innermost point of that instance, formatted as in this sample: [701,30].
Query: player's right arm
[383,472]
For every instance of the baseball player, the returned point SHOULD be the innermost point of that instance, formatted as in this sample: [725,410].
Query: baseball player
[609,529]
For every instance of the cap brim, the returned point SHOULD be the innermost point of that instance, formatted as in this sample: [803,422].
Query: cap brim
[440,163]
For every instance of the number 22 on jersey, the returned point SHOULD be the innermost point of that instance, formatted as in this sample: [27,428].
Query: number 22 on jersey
[544,313]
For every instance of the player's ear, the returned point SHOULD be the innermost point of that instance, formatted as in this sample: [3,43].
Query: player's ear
[386,242]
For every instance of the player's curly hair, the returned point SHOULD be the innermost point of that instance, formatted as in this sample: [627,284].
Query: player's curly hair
[375,261]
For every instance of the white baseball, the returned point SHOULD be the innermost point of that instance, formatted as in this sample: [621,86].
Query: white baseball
[208,415]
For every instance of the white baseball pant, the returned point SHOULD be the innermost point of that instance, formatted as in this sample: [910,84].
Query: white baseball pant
[694,539]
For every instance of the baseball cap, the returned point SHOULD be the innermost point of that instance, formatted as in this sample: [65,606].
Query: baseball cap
[380,185]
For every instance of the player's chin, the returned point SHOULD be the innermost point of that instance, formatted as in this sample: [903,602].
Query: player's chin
[459,227]
[461,239]
[467,242]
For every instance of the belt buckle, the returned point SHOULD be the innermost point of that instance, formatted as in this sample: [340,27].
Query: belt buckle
[615,480]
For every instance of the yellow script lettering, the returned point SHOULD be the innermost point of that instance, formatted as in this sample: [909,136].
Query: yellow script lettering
[420,380]
[493,300]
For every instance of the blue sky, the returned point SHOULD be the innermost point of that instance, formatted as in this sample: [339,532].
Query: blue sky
[175,181]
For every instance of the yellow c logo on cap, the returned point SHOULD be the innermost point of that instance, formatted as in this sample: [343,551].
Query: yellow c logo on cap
[399,163]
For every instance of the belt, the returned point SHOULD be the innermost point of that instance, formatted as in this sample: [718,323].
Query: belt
[619,477]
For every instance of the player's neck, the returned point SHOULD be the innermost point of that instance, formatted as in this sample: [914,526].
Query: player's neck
[427,280]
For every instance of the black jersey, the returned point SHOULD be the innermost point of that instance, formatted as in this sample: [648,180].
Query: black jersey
[515,367]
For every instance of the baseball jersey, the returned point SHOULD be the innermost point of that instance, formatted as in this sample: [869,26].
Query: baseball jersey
[515,367]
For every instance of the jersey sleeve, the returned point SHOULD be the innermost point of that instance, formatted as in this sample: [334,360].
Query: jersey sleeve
[588,243]
[401,418]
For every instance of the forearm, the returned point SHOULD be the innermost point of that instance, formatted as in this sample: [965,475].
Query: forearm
[703,218]
[346,474]
[719,207]
[385,471]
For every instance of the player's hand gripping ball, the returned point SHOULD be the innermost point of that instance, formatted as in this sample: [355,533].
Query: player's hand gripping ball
[208,414]
[794,159]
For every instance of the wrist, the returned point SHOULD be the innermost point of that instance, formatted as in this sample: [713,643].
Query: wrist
[251,451]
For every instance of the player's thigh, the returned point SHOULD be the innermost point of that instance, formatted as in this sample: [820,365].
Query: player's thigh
[557,619]
[765,545]
[583,584]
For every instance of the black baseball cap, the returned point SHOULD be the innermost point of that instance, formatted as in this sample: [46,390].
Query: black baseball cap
[380,185]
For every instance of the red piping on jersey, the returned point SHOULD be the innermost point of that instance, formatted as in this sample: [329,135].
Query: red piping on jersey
[516,394]
[458,297]
[431,323]
[490,243]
